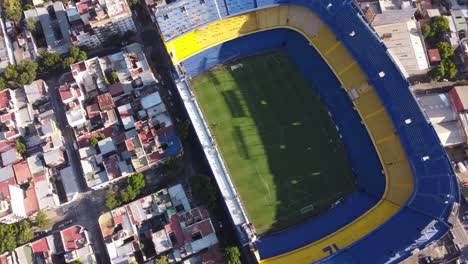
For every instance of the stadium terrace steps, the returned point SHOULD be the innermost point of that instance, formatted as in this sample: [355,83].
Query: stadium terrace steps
[420,189]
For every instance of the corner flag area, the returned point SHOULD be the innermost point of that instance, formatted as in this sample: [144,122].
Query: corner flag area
[279,144]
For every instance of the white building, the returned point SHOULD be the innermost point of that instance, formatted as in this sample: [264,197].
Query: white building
[444,118]
[93,22]
[399,32]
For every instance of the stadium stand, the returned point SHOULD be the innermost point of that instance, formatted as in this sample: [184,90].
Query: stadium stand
[419,188]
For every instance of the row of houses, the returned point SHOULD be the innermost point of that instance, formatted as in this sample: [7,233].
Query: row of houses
[396,24]
[86,23]
[161,224]
[70,245]
[32,153]
[120,121]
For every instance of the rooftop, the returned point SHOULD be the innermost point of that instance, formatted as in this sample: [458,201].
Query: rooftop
[22,172]
[6,173]
[105,102]
[73,238]
[35,91]
[111,165]
[106,146]
[5,98]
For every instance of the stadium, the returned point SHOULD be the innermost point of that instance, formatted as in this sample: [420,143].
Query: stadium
[317,145]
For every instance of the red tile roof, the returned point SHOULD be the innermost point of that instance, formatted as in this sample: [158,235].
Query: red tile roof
[40,246]
[65,92]
[105,102]
[434,55]
[6,145]
[71,238]
[174,227]
[31,205]
[93,110]
[130,145]
[22,172]
[5,99]
[112,167]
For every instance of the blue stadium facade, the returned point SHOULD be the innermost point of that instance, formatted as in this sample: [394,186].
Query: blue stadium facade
[424,216]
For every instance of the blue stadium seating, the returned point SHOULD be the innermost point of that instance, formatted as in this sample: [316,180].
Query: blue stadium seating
[435,185]
[239,6]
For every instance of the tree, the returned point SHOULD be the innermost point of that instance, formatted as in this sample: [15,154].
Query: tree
[445,49]
[27,72]
[450,68]
[12,10]
[21,74]
[439,25]
[183,129]
[31,25]
[161,260]
[129,194]
[28,7]
[41,220]
[8,238]
[136,181]
[438,72]
[426,31]
[49,61]
[133,3]
[93,141]
[75,55]
[173,166]
[204,190]
[232,255]
[2,84]
[10,73]
[67,62]
[114,77]
[24,232]
[20,146]
[112,201]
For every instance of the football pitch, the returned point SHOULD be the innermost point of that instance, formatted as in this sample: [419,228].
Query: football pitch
[278,142]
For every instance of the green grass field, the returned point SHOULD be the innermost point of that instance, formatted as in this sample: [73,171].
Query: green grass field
[279,144]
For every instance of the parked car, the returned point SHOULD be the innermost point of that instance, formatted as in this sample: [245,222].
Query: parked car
[64,224]
[39,234]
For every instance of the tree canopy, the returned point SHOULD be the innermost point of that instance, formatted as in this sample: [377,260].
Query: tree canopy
[14,235]
[438,72]
[75,55]
[93,141]
[434,31]
[31,24]
[2,84]
[161,260]
[232,255]
[20,146]
[112,201]
[12,10]
[137,181]
[133,187]
[445,49]
[25,233]
[204,190]
[450,69]
[49,61]
[41,220]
